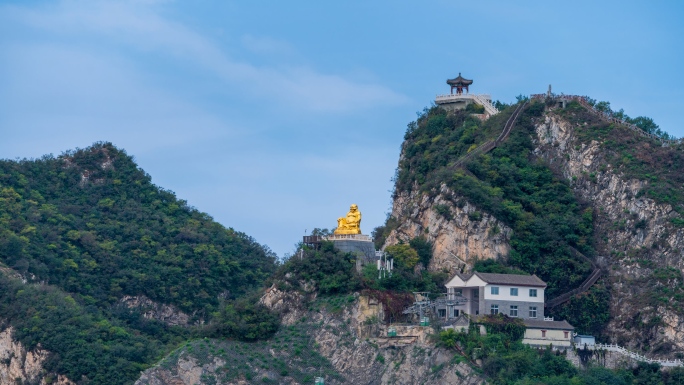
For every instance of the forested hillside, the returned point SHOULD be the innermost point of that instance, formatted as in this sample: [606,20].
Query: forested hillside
[547,219]
[576,191]
[83,230]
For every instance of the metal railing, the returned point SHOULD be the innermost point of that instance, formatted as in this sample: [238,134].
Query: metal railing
[337,237]
[636,356]
[582,100]
[483,99]
[491,144]
[588,283]
[461,96]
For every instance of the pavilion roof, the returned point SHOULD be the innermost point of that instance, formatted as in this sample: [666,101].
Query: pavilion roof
[459,81]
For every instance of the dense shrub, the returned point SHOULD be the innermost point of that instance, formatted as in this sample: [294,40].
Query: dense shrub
[244,319]
[589,311]
[329,270]
[493,266]
[408,275]
[83,341]
[512,328]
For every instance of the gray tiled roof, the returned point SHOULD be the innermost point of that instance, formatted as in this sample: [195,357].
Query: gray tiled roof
[460,80]
[464,277]
[512,279]
[540,324]
[459,321]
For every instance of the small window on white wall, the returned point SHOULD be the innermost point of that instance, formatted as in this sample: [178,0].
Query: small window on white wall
[533,292]
[495,290]
[514,291]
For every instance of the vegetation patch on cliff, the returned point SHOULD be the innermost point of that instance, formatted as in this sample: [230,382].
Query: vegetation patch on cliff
[636,156]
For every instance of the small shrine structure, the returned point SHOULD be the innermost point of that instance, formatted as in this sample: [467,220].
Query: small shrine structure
[459,100]
[459,83]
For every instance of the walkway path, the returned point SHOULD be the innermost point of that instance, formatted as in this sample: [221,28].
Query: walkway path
[491,144]
[586,285]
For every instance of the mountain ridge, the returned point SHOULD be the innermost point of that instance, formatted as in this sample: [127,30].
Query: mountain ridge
[96,251]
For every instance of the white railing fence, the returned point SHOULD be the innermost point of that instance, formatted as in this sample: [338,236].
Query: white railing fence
[482,99]
[633,355]
[583,101]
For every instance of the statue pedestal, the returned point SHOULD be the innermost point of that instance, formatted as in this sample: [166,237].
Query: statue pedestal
[360,245]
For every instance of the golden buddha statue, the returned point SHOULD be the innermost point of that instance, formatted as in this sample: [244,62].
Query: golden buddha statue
[351,224]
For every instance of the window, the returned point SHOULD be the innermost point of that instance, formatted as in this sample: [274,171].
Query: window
[442,313]
[533,312]
[495,309]
[476,293]
[533,292]
[514,291]
[458,291]
[495,290]
[456,312]
[566,334]
[514,311]
[543,333]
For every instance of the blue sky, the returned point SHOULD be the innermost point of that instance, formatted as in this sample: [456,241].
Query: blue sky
[273,117]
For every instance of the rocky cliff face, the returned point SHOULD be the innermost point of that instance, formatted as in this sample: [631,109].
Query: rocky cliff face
[149,309]
[459,232]
[350,340]
[636,236]
[19,366]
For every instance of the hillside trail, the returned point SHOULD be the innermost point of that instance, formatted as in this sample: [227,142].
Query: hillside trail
[585,286]
[492,144]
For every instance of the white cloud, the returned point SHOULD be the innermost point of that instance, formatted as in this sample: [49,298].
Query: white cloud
[140,26]
[56,97]
[266,45]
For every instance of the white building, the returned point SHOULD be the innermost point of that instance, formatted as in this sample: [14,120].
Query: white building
[581,340]
[545,333]
[514,295]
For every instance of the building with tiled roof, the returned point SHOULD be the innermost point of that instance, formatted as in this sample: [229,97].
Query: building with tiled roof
[515,295]
[545,332]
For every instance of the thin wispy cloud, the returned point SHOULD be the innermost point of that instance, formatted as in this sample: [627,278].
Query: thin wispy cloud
[141,26]
[267,45]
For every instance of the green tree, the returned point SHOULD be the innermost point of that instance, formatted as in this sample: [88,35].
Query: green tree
[404,255]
